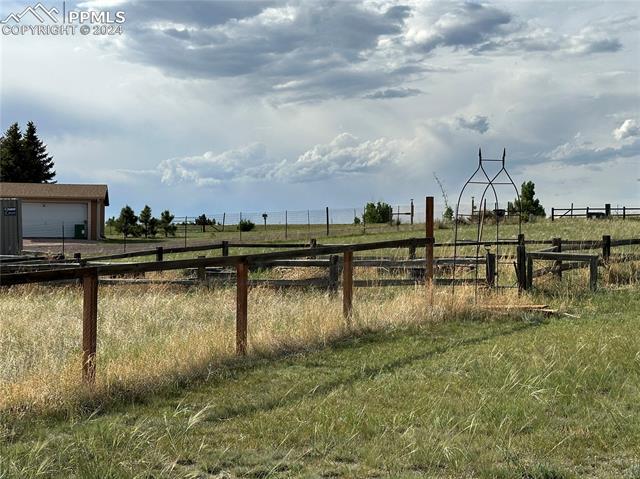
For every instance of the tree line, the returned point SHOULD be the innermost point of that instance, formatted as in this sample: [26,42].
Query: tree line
[24,157]
[143,224]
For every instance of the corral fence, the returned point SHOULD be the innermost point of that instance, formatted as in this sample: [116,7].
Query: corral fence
[589,212]
[338,259]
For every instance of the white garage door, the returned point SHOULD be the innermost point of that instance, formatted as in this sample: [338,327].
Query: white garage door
[46,220]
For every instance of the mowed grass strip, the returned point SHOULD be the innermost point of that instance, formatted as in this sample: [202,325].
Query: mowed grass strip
[509,397]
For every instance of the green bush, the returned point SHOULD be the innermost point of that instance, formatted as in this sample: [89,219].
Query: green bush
[377,213]
[246,225]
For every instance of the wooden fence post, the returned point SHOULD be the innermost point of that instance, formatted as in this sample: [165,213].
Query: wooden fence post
[327,213]
[225,248]
[553,211]
[528,283]
[202,274]
[412,211]
[593,273]
[312,244]
[428,273]
[606,247]
[557,244]
[286,224]
[491,269]
[607,209]
[334,273]
[89,326]
[412,250]
[521,256]
[347,285]
[242,281]
[624,212]
[159,253]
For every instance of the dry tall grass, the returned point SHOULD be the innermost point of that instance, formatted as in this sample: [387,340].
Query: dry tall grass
[149,337]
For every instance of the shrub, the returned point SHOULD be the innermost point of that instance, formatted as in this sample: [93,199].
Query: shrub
[377,213]
[246,225]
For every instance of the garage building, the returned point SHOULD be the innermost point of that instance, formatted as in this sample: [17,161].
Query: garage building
[50,210]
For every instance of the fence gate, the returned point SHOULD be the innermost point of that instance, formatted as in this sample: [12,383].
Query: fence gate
[488,215]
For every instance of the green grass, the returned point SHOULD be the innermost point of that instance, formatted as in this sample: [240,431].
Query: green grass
[577,229]
[523,397]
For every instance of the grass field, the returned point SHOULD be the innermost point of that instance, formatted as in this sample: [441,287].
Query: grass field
[409,389]
[512,396]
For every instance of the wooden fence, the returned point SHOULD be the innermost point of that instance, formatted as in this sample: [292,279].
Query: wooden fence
[589,212]
[88,273]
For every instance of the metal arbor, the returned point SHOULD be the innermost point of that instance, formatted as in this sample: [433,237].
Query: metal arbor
[490,184]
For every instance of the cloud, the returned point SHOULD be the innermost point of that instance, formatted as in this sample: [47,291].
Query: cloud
[462,26]
[585,153]
[628,129]
[292,52]
[344,155]
[477,123]
[393,93]
[248,162]
[532,38]
[305,50]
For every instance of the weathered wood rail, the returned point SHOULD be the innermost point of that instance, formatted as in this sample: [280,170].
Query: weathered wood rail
[90,274]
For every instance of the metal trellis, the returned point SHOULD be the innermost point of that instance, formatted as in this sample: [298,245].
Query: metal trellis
[483,216]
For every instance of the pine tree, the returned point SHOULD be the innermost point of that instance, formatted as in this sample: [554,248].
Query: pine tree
[145,218]
[527,204]
[11,155]
[203,221]
[37,161]
[166,219]
[24,158]
[127,222]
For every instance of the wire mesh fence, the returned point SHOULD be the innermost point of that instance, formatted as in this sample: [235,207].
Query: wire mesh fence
[246,226]
[297,224]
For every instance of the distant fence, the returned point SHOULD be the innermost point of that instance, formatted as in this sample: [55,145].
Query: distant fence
[590,212]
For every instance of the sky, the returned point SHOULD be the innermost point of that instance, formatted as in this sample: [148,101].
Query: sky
[216,106]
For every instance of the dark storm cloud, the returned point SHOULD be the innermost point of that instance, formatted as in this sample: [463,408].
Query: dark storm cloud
[312,51]
[300,52]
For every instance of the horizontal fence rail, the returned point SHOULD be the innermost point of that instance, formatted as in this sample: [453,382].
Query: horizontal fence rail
[607,211]
[341,262]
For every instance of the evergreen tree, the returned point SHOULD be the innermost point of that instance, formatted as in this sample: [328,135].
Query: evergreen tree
[448,213]
[166,224]
[37,161]
[24,158]
[377,213]
[527,204]
[127,222]
[11,155]
[203,221]
[145,218]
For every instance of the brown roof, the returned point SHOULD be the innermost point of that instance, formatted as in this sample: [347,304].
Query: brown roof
[54,191]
